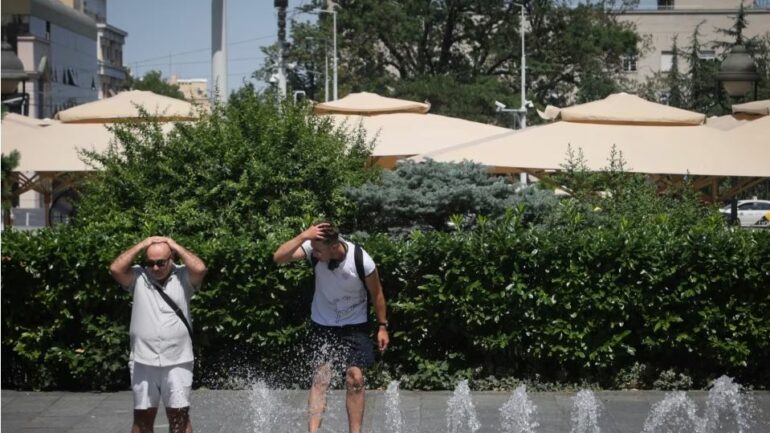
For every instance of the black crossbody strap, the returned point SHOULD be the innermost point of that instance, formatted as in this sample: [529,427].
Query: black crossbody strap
[358,256]
[173,306]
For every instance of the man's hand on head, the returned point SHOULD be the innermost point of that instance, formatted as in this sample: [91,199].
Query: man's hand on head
[316,232]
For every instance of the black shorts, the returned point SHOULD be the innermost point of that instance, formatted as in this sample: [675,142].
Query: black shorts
[342,346]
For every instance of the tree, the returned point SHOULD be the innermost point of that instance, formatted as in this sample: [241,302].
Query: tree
[675,81]
[154,82]
[703,93]
[448,51]
[9,164]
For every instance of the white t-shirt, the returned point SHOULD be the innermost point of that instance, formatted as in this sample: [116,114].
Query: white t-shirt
[340,296]
[158,336]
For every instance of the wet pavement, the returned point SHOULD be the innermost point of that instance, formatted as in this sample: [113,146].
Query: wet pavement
[284,411]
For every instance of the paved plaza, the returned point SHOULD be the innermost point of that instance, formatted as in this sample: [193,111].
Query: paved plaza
[284,411]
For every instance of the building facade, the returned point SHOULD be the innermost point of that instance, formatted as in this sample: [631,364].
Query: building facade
[109,41]
[663,20]
[195,90]
[71,56]
[57,45]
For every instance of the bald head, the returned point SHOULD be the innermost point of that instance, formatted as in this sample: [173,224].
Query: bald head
[158,251]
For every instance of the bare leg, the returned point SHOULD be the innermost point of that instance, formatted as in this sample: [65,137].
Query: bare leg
[144,420]
[316,403]
[354,398]
[179,420]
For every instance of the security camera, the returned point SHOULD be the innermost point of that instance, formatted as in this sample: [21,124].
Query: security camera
[529,104]
[273,79]
[499,105]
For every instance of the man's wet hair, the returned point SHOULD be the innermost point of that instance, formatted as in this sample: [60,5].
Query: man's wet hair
[331,234]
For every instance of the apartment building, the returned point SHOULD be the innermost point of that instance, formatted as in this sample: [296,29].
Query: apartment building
[71,56]
[663,20]
[109,41]
[195,90]
[69,51]
[57,46]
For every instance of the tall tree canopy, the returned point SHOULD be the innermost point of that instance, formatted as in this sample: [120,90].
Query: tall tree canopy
[453,52]
[153,81]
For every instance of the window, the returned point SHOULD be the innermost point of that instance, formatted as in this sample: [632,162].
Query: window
[48,30]
[629,63]
[665,4]
[666,60]
[707,55]
[762,206]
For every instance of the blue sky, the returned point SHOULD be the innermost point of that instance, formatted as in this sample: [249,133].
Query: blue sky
[174,36]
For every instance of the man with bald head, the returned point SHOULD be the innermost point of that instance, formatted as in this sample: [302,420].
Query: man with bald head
[161,360]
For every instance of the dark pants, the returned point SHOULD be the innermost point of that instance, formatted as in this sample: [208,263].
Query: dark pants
[341,346]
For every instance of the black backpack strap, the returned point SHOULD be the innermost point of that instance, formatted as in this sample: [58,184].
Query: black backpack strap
[173,306]
[358,255]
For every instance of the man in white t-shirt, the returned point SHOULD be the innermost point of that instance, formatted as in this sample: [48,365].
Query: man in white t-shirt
[339,315]
[161,360]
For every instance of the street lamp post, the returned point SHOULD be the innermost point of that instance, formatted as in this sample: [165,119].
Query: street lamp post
[738,72]
[520,114]
[331,10]
[523,107]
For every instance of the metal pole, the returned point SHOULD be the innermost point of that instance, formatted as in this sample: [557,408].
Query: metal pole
[281,47]
[334,46]
[523,108]
[219,50]
[326,70]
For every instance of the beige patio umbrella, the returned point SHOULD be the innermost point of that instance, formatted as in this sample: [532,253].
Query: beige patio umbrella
[726,122]
[400,135]
[50,152]
[402,128]
[369,104]
[758,108]
[684,147]
[697,150]
[53,146]
[626,109]
[125,106]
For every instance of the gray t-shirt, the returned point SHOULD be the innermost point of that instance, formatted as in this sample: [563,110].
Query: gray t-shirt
[158,336]
[340,296]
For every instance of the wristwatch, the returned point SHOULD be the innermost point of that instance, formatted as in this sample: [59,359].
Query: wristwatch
[385,324]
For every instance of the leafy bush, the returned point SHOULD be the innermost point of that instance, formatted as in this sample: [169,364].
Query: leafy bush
[582,292]
[425,194]
[230,187]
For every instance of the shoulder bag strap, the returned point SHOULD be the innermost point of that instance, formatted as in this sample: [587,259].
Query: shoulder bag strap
[173,306]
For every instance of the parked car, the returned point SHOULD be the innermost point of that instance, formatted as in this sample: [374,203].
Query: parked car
[750,212]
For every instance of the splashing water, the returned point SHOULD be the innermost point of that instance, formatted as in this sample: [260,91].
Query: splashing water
[461,414]
[394,423]
[727,408]
[265,407]
[517,414]
[585,413]
[676,413]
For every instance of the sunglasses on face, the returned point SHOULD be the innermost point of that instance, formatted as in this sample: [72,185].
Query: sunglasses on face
[159,263]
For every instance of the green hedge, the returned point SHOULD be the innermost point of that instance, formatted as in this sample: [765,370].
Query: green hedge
[603,287]
[569,303]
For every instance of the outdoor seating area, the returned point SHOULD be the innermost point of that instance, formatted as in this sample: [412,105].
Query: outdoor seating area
[667,144]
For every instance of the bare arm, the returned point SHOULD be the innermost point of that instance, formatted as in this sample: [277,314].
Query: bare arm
[194,264]
[378,300]
[120,269]
[290,250]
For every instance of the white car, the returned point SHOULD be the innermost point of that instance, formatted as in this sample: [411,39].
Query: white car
[750,212]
